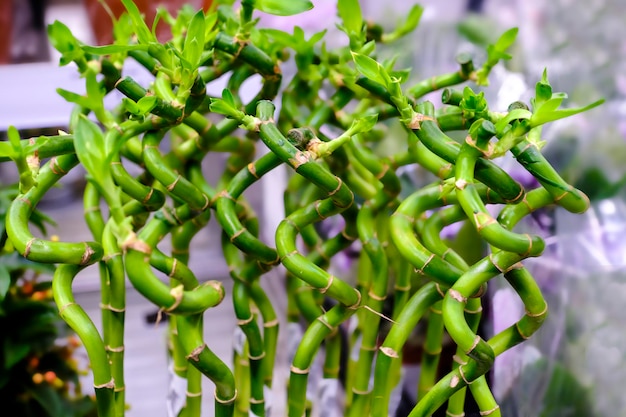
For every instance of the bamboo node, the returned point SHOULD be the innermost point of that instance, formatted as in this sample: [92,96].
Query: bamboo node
[55,167]
[229,401]
[243,322]
[29,244]
[540,314]
[65,307]
[87,254]
[458,359]
[256,358]
[193,394]
[460,184]
[441,292]
[324,322]
[132,242]
[111,256]
[296,370]
[173,185]
[358,301]
[331,279]
[339,184]
[118,349]
[450,414]
[475,311]
[520,332]
[390,352]
[421,270]
[195,354]
[111,308]
[252,170]
[361,392]
[237,234]
[271,323]
[487,412]
[457,295]
[375,296]
[463,376]
[416,120]
[176,292]
[174,266]
[253,400]
[207,202]
[108,385]
[148,196]
[317,210]
[300,158]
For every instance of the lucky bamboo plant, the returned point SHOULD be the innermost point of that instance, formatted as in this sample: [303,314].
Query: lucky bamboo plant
[338,113]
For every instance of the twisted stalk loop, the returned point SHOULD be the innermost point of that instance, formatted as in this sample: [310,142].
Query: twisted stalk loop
[346,197]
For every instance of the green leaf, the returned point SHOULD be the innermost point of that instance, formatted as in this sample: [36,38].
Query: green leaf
[5,281]
[49,400]
[64,41]
[406,27]
[543,115]
[365,124]
[371,69]
[194,41]
[146,104]
[15,140]
[516,114]
[282,7]
[228,98]
[350,13]
[90,150]
[130,106]
[543,90]
[506,40]
[144,34]
[74,98]
[14,351]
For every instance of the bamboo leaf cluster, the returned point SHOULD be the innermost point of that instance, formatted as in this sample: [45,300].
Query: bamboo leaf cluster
[349,124]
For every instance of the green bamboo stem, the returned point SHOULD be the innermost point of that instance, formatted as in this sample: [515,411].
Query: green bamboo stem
[80,322]
[256,349]
[133,90]
[176,300]
[46,146]
[391,348]
[242,381]
[401,224]
[41,250]
[431,355]
[377,290]
[174,183]
[456,402]
[431,234]
[319,330]
[564,194]
[193,401]
[115,309]
[475,210]
[446,148]
[200,356]
[465,72]
[225,203]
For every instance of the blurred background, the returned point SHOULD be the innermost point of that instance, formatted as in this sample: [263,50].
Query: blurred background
[576,361]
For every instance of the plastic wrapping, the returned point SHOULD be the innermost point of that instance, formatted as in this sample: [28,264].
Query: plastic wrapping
[573,365]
